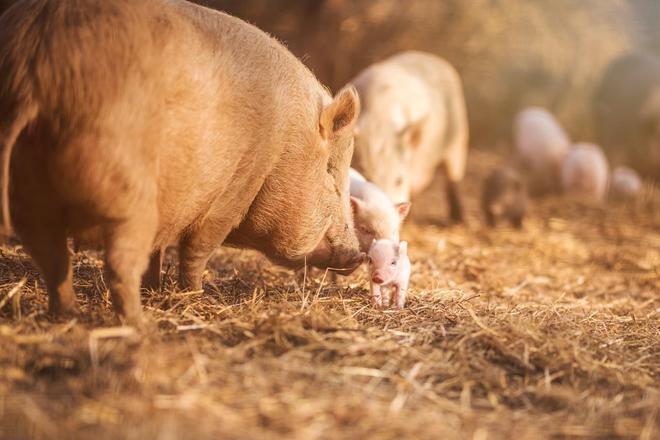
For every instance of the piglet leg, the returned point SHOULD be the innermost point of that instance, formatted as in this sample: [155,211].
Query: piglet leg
[376,295]
[399,296]
[386,294]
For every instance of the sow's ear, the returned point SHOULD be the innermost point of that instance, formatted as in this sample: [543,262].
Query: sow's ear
[340,115]
[412,134]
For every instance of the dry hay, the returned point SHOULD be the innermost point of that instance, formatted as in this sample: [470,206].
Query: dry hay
[549,332]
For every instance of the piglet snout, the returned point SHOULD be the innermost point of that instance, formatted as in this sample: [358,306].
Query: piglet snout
[377,279]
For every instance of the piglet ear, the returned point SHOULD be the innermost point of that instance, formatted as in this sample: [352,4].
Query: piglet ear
[403,248]
[403,209]
[356,204]
[340,115]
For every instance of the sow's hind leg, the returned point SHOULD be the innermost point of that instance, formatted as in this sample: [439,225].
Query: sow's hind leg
[128,244]
[39,222]
[45,240]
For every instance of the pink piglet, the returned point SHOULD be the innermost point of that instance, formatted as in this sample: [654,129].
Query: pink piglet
[389,270]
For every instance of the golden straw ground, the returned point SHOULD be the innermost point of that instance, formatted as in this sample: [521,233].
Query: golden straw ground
[553,331]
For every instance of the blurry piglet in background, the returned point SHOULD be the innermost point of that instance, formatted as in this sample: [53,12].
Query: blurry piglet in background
[541,145]
[625,183]
[504,197]
[585,172]
[389,271]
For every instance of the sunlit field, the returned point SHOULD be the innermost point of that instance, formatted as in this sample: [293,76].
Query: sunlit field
[548,332]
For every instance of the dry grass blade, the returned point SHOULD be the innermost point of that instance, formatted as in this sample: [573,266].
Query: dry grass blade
[14,290]
[105,333]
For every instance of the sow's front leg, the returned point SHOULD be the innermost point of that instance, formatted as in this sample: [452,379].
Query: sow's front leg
[195,249]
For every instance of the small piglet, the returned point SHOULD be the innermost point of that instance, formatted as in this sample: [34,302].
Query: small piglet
[374,214]
[389,268]
[625,183]
[504,196]
[585,172]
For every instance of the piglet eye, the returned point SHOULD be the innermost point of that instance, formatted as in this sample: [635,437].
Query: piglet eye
[393,263]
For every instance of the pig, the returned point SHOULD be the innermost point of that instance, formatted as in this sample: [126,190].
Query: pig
[541,145]
[504,196]
[374,214]
[137,125]
[413,121]
[625,183]
[626,112]
[585,172]
[389,269]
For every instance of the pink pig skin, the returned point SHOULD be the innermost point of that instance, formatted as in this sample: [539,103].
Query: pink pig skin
[374,214]
[625,183]
[389,273]
[585,172]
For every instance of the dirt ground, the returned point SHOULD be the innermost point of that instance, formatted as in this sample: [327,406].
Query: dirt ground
[551,332]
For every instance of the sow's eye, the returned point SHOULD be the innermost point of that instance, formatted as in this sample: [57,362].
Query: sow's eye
[366,230]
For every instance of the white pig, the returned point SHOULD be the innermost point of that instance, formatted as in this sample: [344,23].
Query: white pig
[413,123]
[541,145]
[625,183]
[374,214]
[389,270]
[585,172]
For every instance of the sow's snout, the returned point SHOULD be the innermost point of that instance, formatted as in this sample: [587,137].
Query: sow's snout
[339,259]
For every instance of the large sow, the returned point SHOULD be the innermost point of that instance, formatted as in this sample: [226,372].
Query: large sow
[413,122]
[134,125]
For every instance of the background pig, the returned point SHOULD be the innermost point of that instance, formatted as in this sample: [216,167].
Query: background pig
[374,214]
[154,122]
[585,172]
[541,144]
[504,196]
[413,121]
[389,269]
[626,110]
[625,183]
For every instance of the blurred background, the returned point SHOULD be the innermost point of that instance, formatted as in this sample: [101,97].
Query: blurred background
[510,53]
